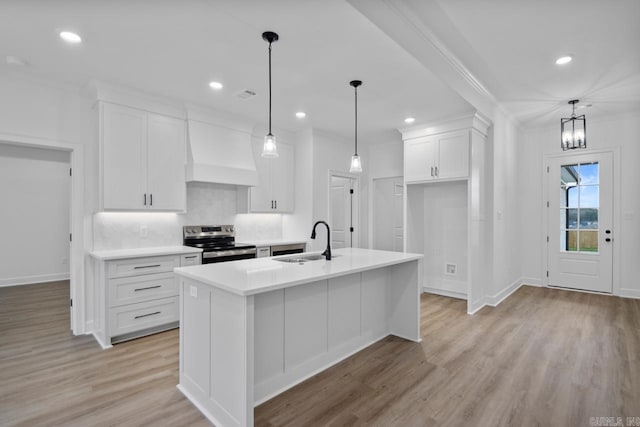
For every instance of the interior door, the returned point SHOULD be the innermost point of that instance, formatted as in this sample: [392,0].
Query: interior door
[341,212]
[388,194]
[580,222]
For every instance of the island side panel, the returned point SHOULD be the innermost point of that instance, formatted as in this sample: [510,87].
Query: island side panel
[217,351]
[404,300]
[302,330]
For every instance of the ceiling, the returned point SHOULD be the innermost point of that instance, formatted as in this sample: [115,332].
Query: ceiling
[175,48]
[511,46]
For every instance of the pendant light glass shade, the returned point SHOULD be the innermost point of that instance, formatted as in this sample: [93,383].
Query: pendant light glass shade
[573,131]
[270,149]
[356,164]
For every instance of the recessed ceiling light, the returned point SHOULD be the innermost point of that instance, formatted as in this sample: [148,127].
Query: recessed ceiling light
[70,37]
[409,120]
[564,60]
[301,114]
[216,85]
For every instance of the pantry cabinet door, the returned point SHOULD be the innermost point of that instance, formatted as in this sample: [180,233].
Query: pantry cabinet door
[166,156]
[260,197]
[123,157]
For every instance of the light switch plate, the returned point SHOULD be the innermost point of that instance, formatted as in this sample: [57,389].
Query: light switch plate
[193,291]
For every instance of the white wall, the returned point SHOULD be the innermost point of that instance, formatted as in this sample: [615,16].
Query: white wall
[504,178]
[34,221]
[616,132]
[386,160]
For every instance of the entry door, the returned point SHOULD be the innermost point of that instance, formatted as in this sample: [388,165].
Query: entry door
[341,211]
[388,231]
[580,222]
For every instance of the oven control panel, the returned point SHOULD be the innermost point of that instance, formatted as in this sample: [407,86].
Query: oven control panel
[208,230]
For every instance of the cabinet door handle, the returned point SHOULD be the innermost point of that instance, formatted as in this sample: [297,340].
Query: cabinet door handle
[436,171]
[145,199]
[272,204]
[431,170]
[192,256]
[276,204]
[148,287]
[151,199]
[146,315]
[145,266]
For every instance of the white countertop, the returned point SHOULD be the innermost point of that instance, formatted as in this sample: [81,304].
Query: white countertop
[254,276]
[259,243]
[143,252]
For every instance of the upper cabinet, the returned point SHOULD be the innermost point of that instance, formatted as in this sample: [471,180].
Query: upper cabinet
[142,160]
[437,157]
[275,191]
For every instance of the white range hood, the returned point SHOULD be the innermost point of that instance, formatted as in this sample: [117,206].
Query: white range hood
[219,154]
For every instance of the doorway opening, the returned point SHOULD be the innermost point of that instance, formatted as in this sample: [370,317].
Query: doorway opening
[71,165]
[343,210]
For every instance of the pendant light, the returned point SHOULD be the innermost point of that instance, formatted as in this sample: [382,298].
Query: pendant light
[269,149]
[573,131]
[356,165]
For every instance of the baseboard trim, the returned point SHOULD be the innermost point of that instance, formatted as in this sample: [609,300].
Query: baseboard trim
[103,345]
[531,281]
[630,293]
[444,293]
[496,299]
[30,280]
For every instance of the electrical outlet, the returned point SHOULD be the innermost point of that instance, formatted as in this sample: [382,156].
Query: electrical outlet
[451,269]
[193,291]
[144,231]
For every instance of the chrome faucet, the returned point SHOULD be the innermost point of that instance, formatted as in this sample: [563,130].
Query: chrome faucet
[327,252]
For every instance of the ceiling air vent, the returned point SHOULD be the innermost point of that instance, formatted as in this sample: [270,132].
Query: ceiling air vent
[246,94]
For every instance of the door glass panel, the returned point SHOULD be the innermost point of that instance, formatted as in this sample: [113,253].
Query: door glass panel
[572,218]
[589,196]
[580,200]
[589,173]
[571,241]
[588,241]
[589,219]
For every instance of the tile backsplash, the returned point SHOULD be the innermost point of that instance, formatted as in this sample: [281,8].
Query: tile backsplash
[206,204]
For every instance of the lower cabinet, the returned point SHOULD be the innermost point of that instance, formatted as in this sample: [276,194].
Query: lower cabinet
[139,296]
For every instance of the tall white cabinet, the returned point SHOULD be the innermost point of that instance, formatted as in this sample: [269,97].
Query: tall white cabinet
[445,193]
[142,160]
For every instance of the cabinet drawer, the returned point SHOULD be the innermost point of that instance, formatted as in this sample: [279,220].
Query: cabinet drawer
[138,266]
[191,259]
[127,290]
[264,251]
[134,317]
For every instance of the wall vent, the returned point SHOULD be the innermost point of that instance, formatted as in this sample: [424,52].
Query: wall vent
[246,94]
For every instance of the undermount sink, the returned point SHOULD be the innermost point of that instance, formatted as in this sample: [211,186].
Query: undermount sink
[301,259]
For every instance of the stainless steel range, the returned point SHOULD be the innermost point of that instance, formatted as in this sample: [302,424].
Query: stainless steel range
[217,242]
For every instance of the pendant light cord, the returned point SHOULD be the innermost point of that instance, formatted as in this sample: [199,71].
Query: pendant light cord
[269,88]
[356,130]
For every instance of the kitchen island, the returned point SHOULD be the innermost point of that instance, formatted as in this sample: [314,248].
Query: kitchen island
[251,329]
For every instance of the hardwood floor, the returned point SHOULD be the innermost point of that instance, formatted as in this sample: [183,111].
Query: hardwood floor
[543,357]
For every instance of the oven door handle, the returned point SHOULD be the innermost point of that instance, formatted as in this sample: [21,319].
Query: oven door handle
[217,254]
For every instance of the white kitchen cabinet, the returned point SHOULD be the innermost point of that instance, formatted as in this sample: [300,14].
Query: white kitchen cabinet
[437,157]
[142,160]
[138,296]
[274,192]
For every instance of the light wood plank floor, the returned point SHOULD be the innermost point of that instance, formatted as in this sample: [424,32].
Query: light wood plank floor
[543,357]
